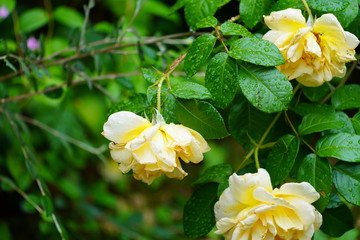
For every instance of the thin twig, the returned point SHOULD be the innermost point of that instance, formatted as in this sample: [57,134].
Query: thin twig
[74,83]
[42,64]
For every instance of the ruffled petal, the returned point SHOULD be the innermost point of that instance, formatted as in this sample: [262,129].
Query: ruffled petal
[302,190]
[288,20]
[124,126]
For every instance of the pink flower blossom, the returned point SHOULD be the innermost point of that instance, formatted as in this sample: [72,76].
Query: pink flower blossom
[32,43]
[4,12]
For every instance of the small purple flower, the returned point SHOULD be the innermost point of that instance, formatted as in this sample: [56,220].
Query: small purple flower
[32,43]
[4,12]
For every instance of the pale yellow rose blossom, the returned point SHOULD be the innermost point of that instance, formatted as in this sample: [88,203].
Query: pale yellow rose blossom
[314,52]
[250,209]
[150,150]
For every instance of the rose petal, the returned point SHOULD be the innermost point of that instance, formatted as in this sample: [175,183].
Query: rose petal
[302,190]
[124,126]
[288,20]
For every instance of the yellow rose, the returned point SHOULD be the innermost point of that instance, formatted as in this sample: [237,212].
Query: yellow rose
[150,150]
[251,209]
[314,53]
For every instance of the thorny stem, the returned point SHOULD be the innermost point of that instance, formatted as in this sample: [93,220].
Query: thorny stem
[308,10]
[166,76]
[343,81]
[297,134]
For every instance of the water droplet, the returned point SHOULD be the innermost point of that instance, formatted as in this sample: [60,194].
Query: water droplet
[266,49]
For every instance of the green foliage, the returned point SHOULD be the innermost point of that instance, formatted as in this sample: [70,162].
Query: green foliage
[318,122]
[218,173]
[230,28]
[344,146]
[317,172]
[69,17]
[33,19]
[202,117]
[282,158]
[198,53]
[256,51]
[252,11]
[199,216]
[265,87]
[196,10]
[345,97]
[347,181]
[220,79]
[337,221]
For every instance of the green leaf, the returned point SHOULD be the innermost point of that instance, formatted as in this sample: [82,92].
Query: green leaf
[198,53]
[135,104]
[328,5]
[356,122]
[149,75]
[344,146]
[220,79]
[317,172]
[202,117]
[178,5]
[10,65]
[246,121]
[195,10]
[54,94]
[207,22]
[265,87]
[346,97]
[304,109]
[69,17]
[47,205]
[317,122]
[168,102]
[354,26]
[347,181]
[199,216]
[347,128]
[252,11]
[190,90]
[33,19]
[282,158]
[284,4]
[215,173]
[349,13]
[316,94]
[230,28]
[337,221]
[256,51]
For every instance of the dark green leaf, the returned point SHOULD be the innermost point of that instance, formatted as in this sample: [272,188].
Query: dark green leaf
[256,51]
[224,184]
[199,216]
[317,122]
[356,122]
[265,87]
[230,28]
[328,5]
[136,104]
[215,173]
[282,158]
[316,94]
[195,10]
[347,181]
[190,90]
[354,26]
[10,65]
[337,221]
[304,109]
[179,4]
[347,15]
[220,79]
[202,117]
[335,201]
[47,205]
[346,97]
[69,17]
[252,11]
[284,4]
[207,22]
[168,104]
[56,93]
[344,146]
[347,128]
[317,172]
[198,53]
[246,121]
[33,19]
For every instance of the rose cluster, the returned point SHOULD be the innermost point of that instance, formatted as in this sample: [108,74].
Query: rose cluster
[150,150]
[314,52]
[251,209]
